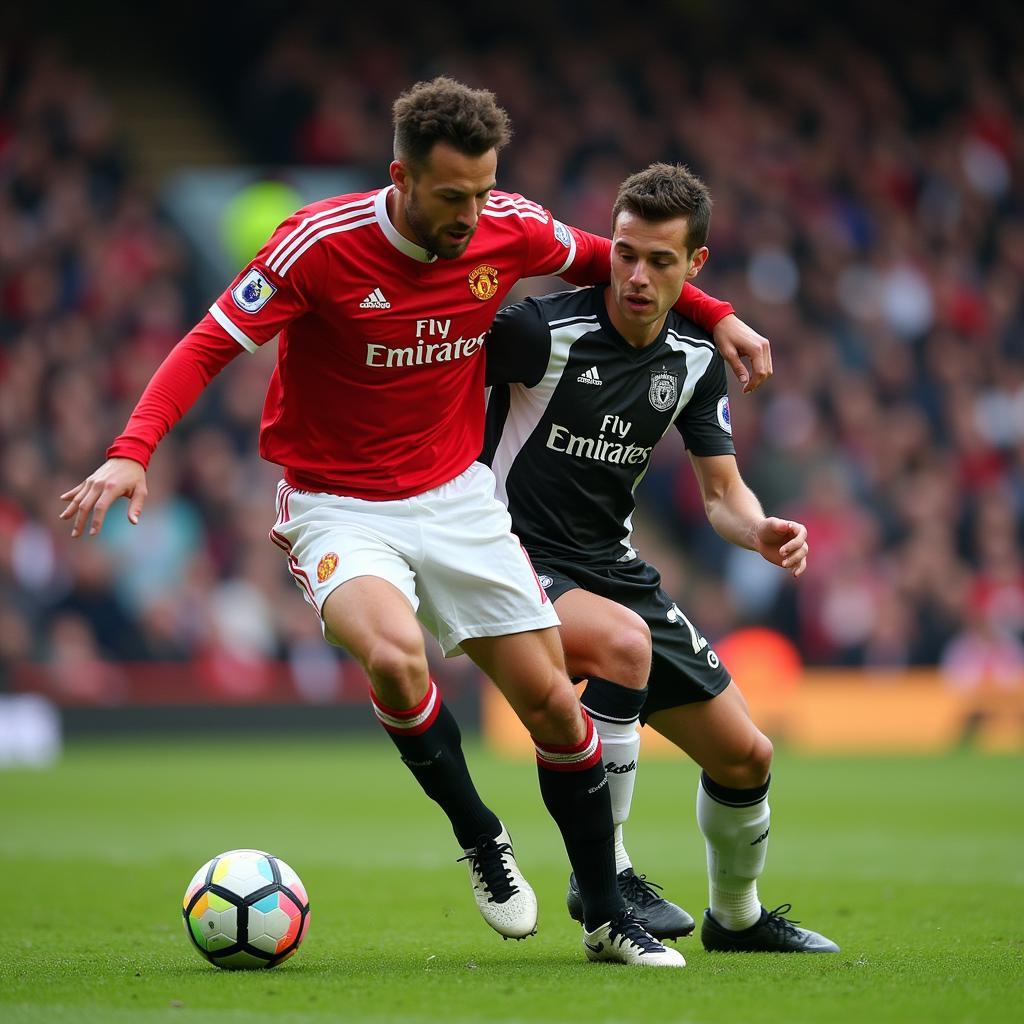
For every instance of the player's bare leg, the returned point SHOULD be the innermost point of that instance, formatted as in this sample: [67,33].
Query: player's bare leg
[375,622]
[610,645]
[733,815]
[721,737]
[528,668]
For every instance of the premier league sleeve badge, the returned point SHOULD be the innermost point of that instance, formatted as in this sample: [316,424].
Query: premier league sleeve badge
[253,291]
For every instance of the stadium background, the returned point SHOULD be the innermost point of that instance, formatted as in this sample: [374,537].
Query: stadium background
[868,173]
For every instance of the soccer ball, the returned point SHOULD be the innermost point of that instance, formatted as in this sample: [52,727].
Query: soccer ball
[246,909]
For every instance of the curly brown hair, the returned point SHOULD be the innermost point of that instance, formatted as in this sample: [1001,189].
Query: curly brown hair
[664,191]
[444,110]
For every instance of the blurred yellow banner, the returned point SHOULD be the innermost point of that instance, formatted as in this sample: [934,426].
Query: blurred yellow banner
[840,711]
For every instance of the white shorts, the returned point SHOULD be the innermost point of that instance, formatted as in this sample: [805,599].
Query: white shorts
[450,551]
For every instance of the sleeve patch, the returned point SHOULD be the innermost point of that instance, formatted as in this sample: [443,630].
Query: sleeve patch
[253,291]
[562,233]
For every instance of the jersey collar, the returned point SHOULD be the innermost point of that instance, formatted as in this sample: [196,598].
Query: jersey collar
[393,235]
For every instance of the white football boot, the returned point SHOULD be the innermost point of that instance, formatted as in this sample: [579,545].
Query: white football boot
[624,941]
[504,898]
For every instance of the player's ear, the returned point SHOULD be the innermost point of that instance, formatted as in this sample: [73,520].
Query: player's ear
[696,262]
[400,176]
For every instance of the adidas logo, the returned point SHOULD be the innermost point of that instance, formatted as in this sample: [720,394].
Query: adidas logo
[590,377]
[375,300]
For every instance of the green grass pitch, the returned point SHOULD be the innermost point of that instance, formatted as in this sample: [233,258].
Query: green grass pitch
[912,864]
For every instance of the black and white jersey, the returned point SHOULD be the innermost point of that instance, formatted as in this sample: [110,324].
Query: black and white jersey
[574,412]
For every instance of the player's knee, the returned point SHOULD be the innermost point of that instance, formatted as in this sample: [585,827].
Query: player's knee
[397,669]
[624,654]
[630,650]
[554,715]
[747,767]
[759,764]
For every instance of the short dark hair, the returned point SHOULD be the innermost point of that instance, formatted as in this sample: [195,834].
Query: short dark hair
[444,110]
[664,191]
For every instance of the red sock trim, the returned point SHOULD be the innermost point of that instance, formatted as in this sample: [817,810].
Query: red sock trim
[409,721]
[576,757]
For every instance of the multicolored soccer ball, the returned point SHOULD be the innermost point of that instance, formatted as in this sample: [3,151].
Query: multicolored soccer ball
[246,909]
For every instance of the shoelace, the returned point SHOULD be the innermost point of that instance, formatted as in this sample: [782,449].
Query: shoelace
[638,890]
[629,928]
[777,920]
[487,860]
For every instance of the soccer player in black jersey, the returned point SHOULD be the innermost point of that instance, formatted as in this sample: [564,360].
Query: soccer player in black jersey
[584,385]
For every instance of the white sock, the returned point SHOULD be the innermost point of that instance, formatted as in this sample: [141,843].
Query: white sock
[622,860]
[735,825]
[621,744]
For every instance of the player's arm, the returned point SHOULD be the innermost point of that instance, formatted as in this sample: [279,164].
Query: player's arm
[731,507]
[735,513]
[737,342]
[272,290]
[171,392]
[733,338]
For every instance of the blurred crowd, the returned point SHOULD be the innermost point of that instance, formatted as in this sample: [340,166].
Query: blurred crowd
[869,220]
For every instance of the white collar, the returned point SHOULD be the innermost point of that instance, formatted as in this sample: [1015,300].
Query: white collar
[393,235]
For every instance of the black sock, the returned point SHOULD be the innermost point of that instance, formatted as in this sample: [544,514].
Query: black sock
[612,702]
[428,738]
[734,797]
[575,791]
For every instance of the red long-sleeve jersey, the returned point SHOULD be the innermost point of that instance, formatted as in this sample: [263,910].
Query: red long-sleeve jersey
[378,392]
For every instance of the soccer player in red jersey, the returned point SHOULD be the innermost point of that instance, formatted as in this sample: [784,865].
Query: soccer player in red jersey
[381,302]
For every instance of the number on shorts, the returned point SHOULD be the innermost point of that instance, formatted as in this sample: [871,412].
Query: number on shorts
[698,642]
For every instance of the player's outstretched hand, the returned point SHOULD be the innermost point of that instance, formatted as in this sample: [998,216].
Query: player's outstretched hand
[736,341]
[116,478]
[783,542]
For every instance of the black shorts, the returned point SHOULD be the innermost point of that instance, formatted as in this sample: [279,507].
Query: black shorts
[684,668]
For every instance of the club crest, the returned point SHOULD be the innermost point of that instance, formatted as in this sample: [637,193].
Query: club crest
[664,390]
[483,282]
[326,566]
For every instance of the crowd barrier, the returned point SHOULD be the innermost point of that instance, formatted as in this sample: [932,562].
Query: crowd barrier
[809,710]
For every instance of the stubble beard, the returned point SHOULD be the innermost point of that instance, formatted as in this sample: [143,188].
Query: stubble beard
[432,241]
